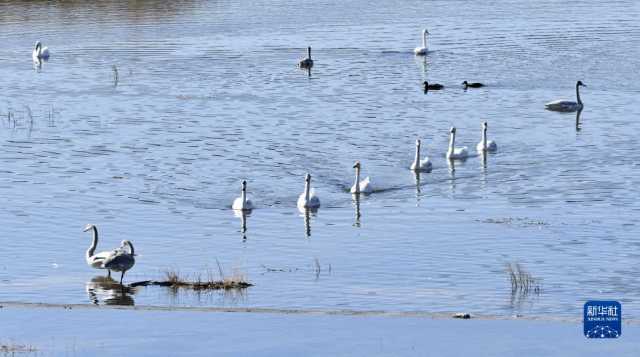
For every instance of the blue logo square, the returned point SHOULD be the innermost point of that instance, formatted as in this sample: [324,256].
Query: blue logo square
[602,319]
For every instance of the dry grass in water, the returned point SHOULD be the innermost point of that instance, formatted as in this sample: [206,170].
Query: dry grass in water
[521,280]
[16,348]
[175,280]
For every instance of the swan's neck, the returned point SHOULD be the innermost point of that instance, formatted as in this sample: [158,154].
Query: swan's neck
[94,243]
[131,251]
[452,140]
[307,191]
[416,162]
[484,138]
[243,195]
[424,39]
[309,52]
[578,94]
[357,184]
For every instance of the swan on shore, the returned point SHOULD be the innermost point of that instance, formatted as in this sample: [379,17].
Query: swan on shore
[421,51]
[39,52]
[418,164]
[562,105]
[306,62]
[308,198]
[454,153]
[486,145]
[363,186]
[96,260]
[242,203]
[122,260]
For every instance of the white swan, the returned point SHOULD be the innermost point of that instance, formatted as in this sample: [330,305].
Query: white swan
[363,186]
[420,165]
[308,198]
[122,259]
[454,153]
[484,145]
[242,203]
[421,51]
[96,261]
[39,52]
[306,62]
[562,105]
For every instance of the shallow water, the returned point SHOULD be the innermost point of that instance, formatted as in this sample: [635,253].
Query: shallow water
[208,94]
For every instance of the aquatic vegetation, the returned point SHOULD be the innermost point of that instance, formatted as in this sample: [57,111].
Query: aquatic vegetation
[522,281]
[15,348]
[175,280]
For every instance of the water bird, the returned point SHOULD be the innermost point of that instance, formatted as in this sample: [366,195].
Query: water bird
[421,51]
[363,186]
[420,165]
[472,85]
[454,153]
[242,203]
[39,52]
[434,86]
[96,261]
[122,259]
[306,62]
[308,198]
[484,145]
[562,105]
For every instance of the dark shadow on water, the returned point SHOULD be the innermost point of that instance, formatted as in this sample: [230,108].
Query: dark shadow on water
[578,128]
[307,213]
[104,290]
[356,204]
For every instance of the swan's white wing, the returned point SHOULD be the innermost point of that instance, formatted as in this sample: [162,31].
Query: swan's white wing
[365,185]
[420,50]
[237,203]
[97,260]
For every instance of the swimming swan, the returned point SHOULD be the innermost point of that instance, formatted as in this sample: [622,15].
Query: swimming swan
[454,153]
[363,186]
[242,203]
[308,198]
[472,85]
[306,62]
[561,105]
[484,145]
[39,52]
[434,86]
[420,165]
[421,51]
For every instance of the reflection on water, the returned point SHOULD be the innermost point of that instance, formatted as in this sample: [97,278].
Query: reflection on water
[306,214]
[107,291]
[578,128]
[161,107]
[242,214]
[356,205]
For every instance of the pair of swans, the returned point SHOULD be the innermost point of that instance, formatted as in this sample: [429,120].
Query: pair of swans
[120,259]
[562,105]
[39,52]
[308,199]
[461,153]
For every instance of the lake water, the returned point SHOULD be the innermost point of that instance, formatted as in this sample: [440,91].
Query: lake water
[208,93]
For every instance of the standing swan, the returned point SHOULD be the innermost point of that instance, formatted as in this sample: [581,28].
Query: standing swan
[308,198]
[363,186]
[562,105]
[39,52]
[484,145]
[122,260]
[420,165]
[421,51]
[454,153]
[242,203]
[306,62]
[96,261]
